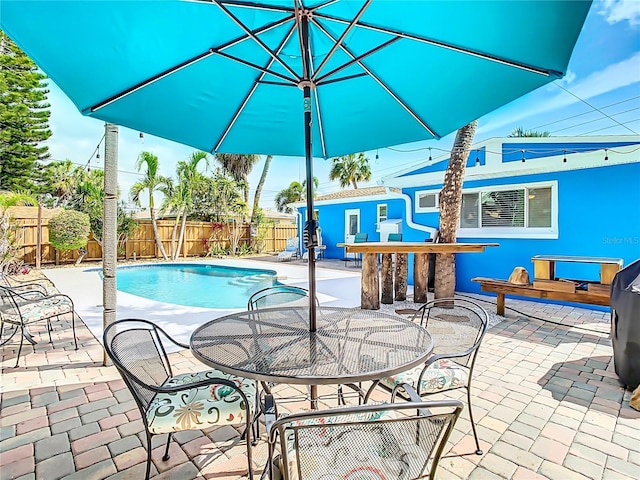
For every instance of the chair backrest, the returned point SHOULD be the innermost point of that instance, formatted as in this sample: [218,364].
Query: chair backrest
[456,325]
[391,440]
[292,245]
[277,295]
[9,301]
[136,349]
[394,237]
[361,237]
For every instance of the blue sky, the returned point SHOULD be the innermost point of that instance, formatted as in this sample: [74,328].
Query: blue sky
[600,95]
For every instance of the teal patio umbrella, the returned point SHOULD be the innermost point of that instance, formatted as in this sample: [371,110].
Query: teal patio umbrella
[319,78]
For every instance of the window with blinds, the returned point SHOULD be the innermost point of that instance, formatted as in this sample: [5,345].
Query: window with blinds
[514,208]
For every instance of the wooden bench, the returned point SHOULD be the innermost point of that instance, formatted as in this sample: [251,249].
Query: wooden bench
[503,287]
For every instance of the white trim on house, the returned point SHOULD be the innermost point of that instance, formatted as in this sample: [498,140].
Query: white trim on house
[495,168]
[419,193]
[516,232]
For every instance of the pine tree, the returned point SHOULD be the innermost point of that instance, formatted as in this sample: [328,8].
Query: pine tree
[24,117]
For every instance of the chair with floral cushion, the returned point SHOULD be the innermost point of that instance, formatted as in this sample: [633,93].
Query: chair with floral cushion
[403,441]
[457,327]
[21,307]
[170,403]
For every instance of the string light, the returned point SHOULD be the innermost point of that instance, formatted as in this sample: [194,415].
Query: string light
[430,154]
[141,137]
[606,155]
[477,159]
[377,156]
[564,152]
[523,159]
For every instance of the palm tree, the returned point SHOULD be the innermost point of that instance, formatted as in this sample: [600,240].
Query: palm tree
[239,167]
[64,177]
[151,182]
[349,170]
[450,203]
[295,192]
[521,132]
[256,197]
[180,198]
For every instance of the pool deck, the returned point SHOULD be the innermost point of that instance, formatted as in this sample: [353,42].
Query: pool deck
[546,398]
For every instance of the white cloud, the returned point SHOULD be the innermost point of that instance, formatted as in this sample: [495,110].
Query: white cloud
[613,77]
[615,11]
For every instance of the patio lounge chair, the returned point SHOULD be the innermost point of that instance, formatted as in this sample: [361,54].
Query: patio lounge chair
[369,441]
[457,327]
[170,403]
[20,307]
[290,251]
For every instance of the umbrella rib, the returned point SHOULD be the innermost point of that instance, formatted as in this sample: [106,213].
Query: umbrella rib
[253,5]
[436,43]
[381,83]
[187,63]
[338,42]
[319,115]
[292,81]
[319,80]
[253,89]
[255,38]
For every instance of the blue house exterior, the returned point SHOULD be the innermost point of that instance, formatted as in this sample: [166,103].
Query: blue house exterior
[532,196]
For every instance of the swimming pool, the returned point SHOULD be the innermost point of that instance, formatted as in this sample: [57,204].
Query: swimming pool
[194,285]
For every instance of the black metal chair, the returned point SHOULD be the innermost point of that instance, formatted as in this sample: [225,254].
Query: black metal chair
[25,305]
[457,327]
[170,403]
[401,441]
[276,295]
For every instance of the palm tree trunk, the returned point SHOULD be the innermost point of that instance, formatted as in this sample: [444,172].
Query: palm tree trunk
[256,198]
[156,235]
[109,235]
[174,232]
[450,202]
[181,237]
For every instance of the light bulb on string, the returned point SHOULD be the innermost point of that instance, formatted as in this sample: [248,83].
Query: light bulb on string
[430,158]
[606,155]
[564,160]
[141,137]
[477,159]
[523,159]
[377,156]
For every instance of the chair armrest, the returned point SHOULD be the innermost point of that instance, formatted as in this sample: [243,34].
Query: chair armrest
[434,358]
[29,289]
[57,297]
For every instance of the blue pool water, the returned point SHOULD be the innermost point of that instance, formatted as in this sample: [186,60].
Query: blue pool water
[208,286]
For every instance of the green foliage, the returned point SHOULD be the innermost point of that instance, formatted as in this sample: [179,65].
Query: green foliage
[349,170]
[69,230]
[521,132]
[9,264]
[24,117]
[238,167]
[295,192]
[217,198]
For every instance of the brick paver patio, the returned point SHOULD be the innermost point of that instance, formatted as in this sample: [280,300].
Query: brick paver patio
[547,402]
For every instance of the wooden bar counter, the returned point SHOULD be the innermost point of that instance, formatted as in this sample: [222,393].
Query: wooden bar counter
[370,291]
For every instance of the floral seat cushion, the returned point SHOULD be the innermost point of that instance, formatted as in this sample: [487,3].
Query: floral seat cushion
[443,374]
[34,311]
[359,452]
[202,407]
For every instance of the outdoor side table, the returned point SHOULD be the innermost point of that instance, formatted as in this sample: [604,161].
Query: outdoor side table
[350,345]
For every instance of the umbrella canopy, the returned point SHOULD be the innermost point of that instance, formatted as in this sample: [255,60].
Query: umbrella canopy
[268,76]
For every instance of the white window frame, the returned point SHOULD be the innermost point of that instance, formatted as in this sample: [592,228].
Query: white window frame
[416,202]
[516,232]
[378,216]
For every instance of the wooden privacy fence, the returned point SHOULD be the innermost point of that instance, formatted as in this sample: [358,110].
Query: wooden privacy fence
[141,243]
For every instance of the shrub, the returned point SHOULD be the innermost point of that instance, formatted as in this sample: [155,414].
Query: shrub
[69,230]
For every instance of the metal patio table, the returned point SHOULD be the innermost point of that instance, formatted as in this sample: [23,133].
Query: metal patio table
[350,345]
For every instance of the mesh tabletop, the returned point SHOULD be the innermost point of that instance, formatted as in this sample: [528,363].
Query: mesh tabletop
[275,345]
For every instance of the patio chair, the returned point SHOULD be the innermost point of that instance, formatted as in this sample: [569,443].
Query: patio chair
[20,308]
[285,295]
[457,327]
[43,285]
[361,237]
[401,441]
[291,250]
[394,237]
[170,403]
